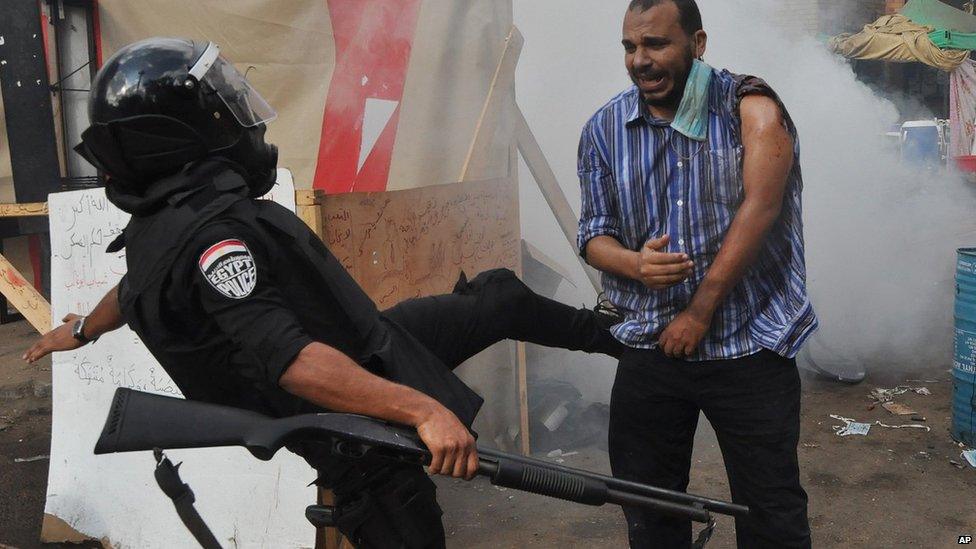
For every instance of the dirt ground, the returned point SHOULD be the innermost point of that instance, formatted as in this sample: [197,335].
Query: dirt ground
[893,488]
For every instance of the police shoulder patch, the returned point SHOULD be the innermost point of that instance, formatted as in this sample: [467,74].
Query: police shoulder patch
[229,267]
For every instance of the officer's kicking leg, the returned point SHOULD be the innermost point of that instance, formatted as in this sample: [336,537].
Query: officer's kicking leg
[493,306]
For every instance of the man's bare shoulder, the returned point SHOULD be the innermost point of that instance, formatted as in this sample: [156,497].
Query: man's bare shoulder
[760,110]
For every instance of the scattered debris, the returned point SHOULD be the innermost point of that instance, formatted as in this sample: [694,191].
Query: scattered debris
[854,427]
[970,456]
[898,408]
[850,427]
[882,395]
[904,426]
[560,454]
[810,445]
[918,417]
[33,458]
[16,391]
[925,381]
[559,418]
[923,456]
[956,464]
[42,390]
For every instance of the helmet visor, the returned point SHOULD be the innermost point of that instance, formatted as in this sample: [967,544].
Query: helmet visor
[241,99]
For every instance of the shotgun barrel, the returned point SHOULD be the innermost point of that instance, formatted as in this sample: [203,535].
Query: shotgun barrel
[143,421]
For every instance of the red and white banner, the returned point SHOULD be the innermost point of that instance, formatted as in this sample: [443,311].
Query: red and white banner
[373,41]
[371,95]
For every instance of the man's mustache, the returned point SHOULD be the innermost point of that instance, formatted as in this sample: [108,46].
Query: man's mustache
[648,74]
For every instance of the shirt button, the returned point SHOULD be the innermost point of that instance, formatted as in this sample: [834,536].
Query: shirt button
[681,202]
[681,164]
[681,242]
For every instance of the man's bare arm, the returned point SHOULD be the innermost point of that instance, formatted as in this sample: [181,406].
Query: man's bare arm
[651,266]
[767,163]
[607,254]
[105,317]
[327,377]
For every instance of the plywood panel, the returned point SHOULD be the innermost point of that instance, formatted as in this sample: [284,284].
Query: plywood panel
[410,243]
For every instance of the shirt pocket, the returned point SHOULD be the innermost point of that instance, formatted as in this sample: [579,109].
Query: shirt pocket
[723,177]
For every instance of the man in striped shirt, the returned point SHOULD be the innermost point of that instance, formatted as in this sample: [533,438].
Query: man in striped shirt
[699,239]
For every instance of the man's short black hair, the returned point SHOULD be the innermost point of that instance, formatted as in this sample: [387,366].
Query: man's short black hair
[691,20]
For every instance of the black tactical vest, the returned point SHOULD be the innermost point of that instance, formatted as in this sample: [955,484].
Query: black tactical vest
[213,191]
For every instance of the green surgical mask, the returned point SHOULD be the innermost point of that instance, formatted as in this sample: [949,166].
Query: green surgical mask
[691,120]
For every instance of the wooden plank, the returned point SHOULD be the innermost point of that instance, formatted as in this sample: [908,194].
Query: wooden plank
[523,396]
[328,538]
[308,207]
[521,364]
[307,197]
[498,93]
[24,297]
[542,172]
[30,209]
[312,216]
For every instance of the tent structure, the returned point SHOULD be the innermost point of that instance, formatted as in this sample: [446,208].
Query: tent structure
[926,31]
[939,15]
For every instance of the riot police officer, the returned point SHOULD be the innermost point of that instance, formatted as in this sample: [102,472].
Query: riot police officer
[244,306]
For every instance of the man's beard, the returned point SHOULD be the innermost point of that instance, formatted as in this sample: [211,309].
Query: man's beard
[680,81]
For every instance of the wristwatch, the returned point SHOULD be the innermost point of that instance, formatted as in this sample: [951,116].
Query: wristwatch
[78,331]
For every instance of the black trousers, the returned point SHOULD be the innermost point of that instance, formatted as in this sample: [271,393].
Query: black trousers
[394,505]
[754,405]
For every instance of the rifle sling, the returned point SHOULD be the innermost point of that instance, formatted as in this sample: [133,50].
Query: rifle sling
[168,478]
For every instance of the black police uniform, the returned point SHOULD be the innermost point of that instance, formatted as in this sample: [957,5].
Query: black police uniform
[225,291]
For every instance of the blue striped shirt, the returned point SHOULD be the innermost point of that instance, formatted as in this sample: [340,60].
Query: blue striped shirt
[640,180]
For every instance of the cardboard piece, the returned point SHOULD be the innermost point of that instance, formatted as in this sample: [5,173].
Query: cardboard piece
[898,408]
[413,243]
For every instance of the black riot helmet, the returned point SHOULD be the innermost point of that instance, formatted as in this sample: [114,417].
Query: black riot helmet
[161,103]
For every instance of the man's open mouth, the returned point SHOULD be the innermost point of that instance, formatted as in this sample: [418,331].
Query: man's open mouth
[652,83]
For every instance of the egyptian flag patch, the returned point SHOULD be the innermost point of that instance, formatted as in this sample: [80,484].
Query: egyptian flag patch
[229,267]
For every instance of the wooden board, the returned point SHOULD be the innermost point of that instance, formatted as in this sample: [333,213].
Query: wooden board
[31,209]
[405,244]
[24,297]
[542,172]
[523,400]
[308,207]
[500,96]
